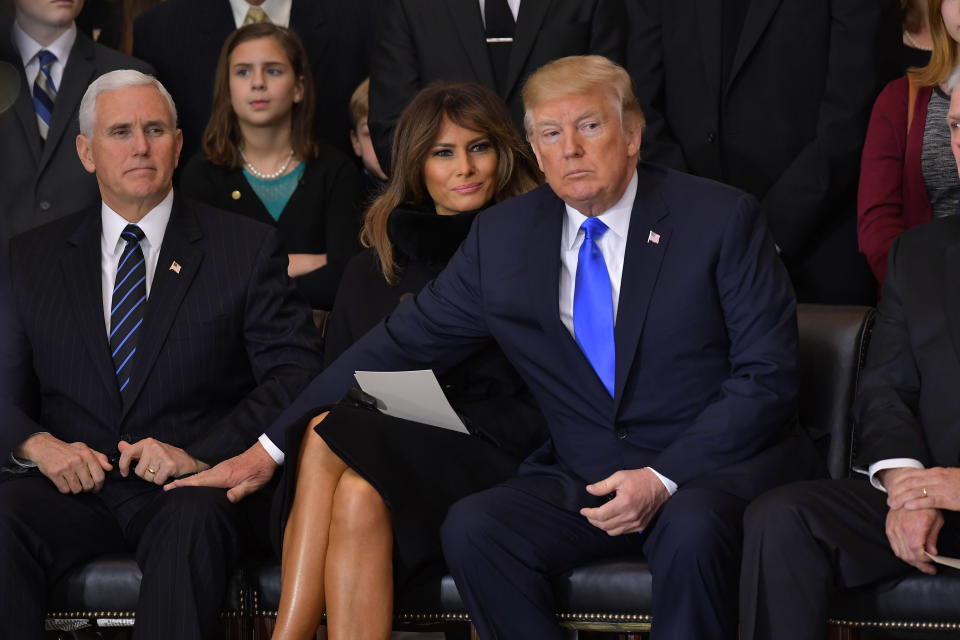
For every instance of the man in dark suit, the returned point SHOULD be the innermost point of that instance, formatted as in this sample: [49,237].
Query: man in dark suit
[42,178]
[497,43]
[182,39]
[772,97]
[142,339]
[649,314]
[849,533]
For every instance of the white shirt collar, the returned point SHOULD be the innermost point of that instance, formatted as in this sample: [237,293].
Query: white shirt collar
[29,48]
[617,217]
[277,10]
[153,225]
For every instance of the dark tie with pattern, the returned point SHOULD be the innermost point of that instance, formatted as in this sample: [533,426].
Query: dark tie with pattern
[500,25]
[129,299]
[44,92]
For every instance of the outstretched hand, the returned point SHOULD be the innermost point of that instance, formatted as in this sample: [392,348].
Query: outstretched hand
[241,475]
[640,494]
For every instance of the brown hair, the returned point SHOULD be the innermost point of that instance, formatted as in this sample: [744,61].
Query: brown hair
[466,105]
[222,137]
[910,16]
[360,103]
[943,58]
[574,75]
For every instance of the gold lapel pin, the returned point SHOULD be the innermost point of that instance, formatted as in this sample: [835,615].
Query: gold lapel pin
[175,267]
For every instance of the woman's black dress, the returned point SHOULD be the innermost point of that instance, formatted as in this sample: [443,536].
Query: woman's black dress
[421,470]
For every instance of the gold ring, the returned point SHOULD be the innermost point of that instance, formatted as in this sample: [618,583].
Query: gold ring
[149,470]
[923,492]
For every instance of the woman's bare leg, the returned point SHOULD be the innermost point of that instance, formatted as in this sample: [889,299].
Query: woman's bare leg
[306,538]
[359,571]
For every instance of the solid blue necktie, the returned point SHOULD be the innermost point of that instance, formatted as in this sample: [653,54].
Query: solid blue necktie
[44,92]
[593,305]
[129,299]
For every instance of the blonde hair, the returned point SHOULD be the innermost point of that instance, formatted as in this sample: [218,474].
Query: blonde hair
[943,57]
[575,75]
[360,103]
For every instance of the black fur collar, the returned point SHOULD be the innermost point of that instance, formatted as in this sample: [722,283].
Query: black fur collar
[426,237]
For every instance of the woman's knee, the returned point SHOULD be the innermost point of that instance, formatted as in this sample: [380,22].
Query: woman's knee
[357,505]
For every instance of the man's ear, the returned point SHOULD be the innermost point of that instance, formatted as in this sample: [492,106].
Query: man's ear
[85,151]
[179,143]
[634,139]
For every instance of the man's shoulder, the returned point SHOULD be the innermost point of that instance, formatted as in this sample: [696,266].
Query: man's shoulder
[928,241]
[220,223]
[48,239]
[105,58]
[677,186]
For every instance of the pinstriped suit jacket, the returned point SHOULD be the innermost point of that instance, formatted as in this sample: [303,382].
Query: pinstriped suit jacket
[226,344]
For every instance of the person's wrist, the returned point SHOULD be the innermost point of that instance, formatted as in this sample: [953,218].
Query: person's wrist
[25,450]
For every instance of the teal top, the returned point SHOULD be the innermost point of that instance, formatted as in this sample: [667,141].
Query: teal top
[274,194]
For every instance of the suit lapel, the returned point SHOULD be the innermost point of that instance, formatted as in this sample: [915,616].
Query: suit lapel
[952,294]
[709,24]
[466,17]
[167,291]
[81,272]
[544,271]
[26,115]
[77,76]
[529,19]
[758,17]
[641,268]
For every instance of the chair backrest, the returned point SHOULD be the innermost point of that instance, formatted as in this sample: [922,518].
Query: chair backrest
[833,347]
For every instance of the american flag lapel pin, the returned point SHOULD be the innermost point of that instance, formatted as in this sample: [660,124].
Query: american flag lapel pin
[175,267]
[653,237]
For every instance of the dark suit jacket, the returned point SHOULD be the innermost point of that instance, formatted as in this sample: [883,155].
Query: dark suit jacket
[788,124]
[421,41]
[183,38]
[322,215]
[907,404]
[225,345]
[43,181]
[706,338]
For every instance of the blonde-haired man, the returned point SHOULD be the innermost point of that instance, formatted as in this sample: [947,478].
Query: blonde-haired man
[648,312]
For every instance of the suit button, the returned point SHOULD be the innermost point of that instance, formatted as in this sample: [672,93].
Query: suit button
[235,195]
[711,137]
[622,434]
[44,206]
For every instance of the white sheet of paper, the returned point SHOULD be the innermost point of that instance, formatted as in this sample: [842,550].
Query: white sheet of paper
[944,560]
[411,395]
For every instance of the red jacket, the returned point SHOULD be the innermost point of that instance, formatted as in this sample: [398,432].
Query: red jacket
[892,196]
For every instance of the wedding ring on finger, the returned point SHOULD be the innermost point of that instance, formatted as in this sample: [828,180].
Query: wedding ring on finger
[152,470]
[923,492]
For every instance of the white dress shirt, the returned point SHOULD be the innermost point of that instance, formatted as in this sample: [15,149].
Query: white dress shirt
[514,9]
[153,225]
[613,246]
[889,463]
[29,48]
[277,10]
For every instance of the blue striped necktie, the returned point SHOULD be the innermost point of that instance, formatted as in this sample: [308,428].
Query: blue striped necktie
[593,305]
[129,299]
[44,92]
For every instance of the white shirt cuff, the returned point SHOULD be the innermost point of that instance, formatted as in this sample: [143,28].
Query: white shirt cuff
[272,449]
[670,485]
[890,463]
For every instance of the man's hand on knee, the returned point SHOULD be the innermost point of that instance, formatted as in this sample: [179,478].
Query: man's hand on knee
[73,467]
[640,494]
[911,533]
[157,461]
[241,475]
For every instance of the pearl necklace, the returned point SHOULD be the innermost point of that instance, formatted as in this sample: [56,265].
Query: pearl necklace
[267,176]
[912,42]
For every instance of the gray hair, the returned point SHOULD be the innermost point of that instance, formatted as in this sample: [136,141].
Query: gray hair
[114,81]
[954,80]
